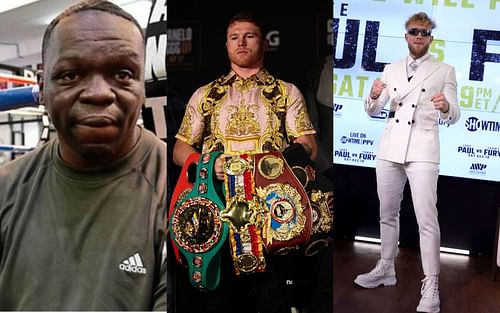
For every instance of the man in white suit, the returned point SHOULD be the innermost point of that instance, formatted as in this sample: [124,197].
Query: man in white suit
[420,90]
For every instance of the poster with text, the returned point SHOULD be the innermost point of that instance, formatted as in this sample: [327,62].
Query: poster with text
[368,34]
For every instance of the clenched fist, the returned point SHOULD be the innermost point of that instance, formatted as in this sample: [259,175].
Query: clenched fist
[440,102]
[377,88]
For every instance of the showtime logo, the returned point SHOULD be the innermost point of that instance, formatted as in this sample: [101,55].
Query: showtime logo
[473,124]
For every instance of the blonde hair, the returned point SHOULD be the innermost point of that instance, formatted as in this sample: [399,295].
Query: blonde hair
[420,17]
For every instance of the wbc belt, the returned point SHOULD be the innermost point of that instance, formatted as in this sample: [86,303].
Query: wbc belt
[320,192]
[196,226]
[288,224]
[182,188]
[245,214]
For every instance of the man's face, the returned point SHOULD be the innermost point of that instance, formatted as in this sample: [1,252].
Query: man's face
[418,44]
[94,86]
[245,45]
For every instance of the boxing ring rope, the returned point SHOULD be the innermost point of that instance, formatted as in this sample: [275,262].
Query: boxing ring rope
[15,148]
[19,98]
[17,79]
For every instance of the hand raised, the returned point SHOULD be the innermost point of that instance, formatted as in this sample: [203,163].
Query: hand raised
[377,88]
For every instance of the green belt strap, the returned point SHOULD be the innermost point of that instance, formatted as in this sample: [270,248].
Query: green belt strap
[197,228]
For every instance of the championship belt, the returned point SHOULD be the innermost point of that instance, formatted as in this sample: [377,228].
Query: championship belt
[197,228]
[289,220]
[182,189]
[320,192]
[245,215]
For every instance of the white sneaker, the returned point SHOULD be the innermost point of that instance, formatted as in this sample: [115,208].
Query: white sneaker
[430,295]
[382,274]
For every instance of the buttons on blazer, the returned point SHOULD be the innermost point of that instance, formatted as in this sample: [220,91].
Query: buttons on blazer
[423,89]
[397,120]
[400,104]
[409,123]
[395,89]
[413,105]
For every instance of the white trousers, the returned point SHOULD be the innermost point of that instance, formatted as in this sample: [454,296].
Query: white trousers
[391,180]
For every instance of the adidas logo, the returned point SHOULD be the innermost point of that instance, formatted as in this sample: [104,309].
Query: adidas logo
[133,264]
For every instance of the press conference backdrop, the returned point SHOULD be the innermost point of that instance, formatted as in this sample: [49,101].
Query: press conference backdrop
[299,34]
[154,111]
[370,33]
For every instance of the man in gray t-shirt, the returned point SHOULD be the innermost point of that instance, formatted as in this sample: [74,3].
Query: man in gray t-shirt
[83,217]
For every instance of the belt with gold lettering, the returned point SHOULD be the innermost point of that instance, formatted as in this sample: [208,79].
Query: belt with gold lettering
[245,215]
[181,190]
[197,228]
[288,224]
[320,192]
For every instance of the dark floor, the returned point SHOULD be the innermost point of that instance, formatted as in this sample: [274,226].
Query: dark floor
[466,283]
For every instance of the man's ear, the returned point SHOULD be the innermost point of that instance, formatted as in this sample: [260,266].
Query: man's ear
[39,79]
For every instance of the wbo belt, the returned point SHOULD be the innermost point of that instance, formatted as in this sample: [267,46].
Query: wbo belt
[289,219]
[182,189]
[197,228]
[320,192]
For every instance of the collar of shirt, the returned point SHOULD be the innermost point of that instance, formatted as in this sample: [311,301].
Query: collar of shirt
[260,76]
[419,61]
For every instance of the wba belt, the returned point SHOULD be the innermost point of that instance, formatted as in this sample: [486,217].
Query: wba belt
[197,228]
[320,192]
[182,189]
[289,219]
[245,214]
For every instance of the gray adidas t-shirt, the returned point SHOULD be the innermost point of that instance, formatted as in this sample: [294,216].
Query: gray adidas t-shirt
[74,240]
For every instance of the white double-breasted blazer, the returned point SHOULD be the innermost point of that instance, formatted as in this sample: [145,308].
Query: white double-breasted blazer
[413,133]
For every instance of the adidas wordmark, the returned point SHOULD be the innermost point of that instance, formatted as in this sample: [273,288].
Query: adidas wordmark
[133,264]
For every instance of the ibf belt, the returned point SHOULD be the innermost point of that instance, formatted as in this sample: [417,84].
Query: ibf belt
[245,215]
[182,189]
[197,228]
[320,192]
[288,224]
